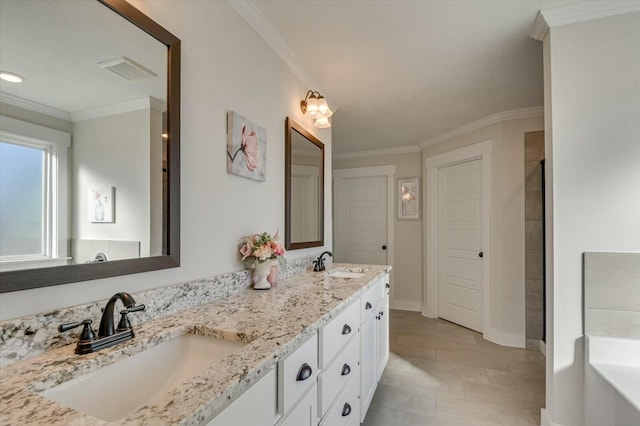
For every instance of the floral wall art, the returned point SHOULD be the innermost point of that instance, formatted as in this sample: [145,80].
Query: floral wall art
[246,148]
[408,199]
[101,204]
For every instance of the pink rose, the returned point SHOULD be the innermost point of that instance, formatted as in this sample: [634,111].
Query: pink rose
[249,142]
[263,252]
[246,250]
[277,249]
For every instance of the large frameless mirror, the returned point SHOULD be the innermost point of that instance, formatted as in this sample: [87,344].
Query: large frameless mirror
[89,143]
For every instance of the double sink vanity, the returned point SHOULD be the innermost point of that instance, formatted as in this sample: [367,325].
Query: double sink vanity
[309,351]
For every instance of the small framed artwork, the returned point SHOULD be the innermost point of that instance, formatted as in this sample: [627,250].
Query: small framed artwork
[408,198]
[102,204]
[246,148]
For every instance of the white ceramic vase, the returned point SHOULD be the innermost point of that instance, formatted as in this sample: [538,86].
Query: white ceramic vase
[260,273]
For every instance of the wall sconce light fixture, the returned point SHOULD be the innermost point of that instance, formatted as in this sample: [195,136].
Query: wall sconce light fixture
[315,106]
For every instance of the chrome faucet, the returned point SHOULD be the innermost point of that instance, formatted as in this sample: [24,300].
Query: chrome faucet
[108,334]
[318,264]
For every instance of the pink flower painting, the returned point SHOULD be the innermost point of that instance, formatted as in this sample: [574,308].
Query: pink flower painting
[246,148]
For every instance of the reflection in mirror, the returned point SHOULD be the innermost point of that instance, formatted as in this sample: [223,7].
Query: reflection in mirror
[94,132]
[304,184]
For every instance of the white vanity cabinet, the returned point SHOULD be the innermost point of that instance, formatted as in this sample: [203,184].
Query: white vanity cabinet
[255,407]
[330,379]
[382,329]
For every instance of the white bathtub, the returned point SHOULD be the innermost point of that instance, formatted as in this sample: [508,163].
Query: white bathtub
[612,381]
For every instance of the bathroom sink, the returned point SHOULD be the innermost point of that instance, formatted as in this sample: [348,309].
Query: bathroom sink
[347,272]
[119,389]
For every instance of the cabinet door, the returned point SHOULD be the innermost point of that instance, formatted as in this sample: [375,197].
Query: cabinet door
[382,336]
[255,407]
[305,413]
[368,351]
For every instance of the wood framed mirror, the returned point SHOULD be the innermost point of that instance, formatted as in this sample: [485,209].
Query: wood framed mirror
[304,188]
[148,200]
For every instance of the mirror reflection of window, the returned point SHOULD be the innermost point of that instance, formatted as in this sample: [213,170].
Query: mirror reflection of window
[22,201]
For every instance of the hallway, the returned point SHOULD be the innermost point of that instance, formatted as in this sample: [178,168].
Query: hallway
[440,374]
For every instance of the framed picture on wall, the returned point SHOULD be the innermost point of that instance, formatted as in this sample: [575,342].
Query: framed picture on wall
[408,197]
[102,204]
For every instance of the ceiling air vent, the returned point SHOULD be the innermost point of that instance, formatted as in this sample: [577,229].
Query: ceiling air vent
[127,68]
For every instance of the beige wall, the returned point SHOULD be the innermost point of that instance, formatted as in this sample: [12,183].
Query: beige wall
[408,259]
[507,316]
[226,66]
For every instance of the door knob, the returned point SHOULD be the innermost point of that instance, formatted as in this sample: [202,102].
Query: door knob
[481,254]
[384,247]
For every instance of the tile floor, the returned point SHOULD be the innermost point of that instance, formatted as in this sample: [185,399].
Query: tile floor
[440,374]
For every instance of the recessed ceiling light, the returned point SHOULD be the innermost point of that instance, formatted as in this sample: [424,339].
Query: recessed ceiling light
[11,77]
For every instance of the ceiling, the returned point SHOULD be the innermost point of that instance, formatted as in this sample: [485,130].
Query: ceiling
[56,47]
[400,72]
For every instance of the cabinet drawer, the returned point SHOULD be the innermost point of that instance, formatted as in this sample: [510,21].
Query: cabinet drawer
[335,334]
[334,377]
[296,374]
[346,407]
[305,413]
[369,301]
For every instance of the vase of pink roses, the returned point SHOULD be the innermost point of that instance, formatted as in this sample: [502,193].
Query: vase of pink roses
[261,252]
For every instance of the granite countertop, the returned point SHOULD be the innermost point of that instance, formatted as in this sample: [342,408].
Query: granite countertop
[273,323]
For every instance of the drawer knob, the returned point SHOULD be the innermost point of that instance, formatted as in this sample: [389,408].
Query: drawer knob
[304,373]
[387,285]
[368,306]
[346,369]
[346,329]
[346,410]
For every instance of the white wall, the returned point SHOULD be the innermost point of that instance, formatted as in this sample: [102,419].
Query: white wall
[114,150]
[593,86]
[507,316]
[408,260]
[225,66]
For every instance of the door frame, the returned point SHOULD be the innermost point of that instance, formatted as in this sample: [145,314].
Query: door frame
[389,172]
[481,151]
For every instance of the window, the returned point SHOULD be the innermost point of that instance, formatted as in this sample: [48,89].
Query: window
[33,195]
[24,199]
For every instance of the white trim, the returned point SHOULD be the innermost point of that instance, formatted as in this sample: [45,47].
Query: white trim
[378,152]
[250,12]
[539,28]
[389,172]
[34,106]
[484,122]
[513,340]
[138,104]
[481,150]
[545,418]
[580,12]
[406,305]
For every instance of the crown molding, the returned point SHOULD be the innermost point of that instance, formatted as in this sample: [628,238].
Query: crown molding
[378,152]
[34,106]
[484,122]
[580,12]
[249,11]
[144,103]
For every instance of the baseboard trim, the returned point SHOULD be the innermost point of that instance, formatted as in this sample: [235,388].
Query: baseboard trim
[406,305]
[504,338]
[545,420]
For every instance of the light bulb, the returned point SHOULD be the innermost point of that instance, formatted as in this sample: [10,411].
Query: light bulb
[322,123]
[11,77]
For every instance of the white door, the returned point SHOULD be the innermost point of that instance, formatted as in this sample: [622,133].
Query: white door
[360,215]
[305,182]
[460,244]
